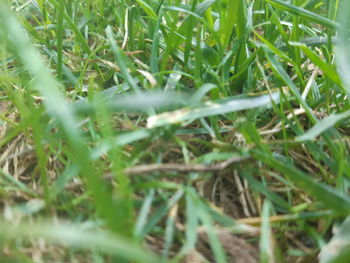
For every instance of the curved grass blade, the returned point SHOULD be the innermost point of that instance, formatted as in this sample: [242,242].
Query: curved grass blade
[202,7]
[191,223]
[303,13]
[148,9]
[273,48]
[201,92]
[327,69]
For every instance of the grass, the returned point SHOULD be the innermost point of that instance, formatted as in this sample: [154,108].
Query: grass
[171,131]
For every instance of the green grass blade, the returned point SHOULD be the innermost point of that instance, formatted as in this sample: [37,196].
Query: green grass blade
[303,13]
[138,102]
[278,69]
[57,106]
[343,48]
[214,241]
[273,48]
[327,195]
[323,125]
[148,9]
[212,109]
[161,212]
[265,245]
[76,236]
[191,222]
[142,217]
[259,187]
[155,45]
[60,31]
[120,59]
[327,69]
[338,248]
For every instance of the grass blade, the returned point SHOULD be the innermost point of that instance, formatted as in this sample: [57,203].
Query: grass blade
[343,48]
[327,195]
[322,126]
[78,237]
[212,109]
[303,13]
[278,69]
[327,69]
[266,252]
[338,249]
[58,108]
[60,31]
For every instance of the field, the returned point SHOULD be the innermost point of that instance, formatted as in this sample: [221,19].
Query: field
[174,131]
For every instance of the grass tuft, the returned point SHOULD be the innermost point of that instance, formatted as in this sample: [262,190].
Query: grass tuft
[174,131]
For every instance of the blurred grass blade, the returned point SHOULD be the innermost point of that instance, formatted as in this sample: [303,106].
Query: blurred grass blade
[259,187]
[148,9]
[143,214]
[191,222]
[58,107]
[214,241]
[138,102]
[65,70]
[203,6]
[327,195]
[323,125]
[76,236]
[173,79]
[15,182]
[265,245]
[212,109]
[161,212]
[201,92]
[283,5]
[343,47]
[122,139]
[338,248]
